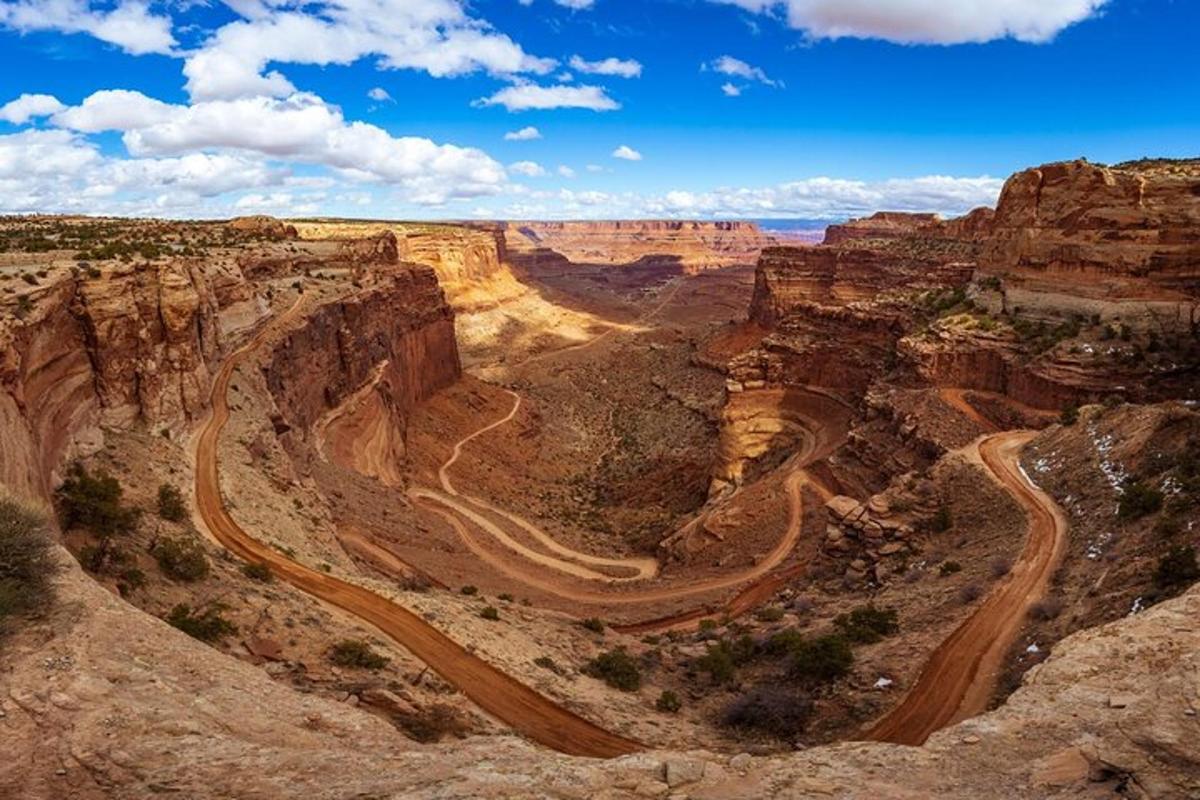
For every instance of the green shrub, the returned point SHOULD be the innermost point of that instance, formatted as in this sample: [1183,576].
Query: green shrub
[718,662]
[357,654]
[469,590]
[770,614]
[1070,415]
[949,568]
[490,613]
[1177,569]
[170,503]
[784,642]
[942,521]
[867,624]
[822,660]
[93,502]
[132,579]
[1138,500]
[181,559]
[594,624]
[546,662]
[257,571]
[668,702]
[616,668]
[26,561]
[778,711]
[208,625]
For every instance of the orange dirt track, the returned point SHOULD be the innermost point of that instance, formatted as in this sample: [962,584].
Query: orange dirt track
[509,700]
[960,677]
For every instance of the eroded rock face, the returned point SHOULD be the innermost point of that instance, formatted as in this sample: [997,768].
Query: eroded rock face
[1122,242]
[403,321]
[152,333]
[881,225]
[125,344]
[263,226]
[695,246]
[789,277]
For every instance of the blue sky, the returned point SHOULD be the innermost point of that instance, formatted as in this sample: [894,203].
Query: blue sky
[721,108]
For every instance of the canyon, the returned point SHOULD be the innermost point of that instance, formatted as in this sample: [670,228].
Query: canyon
[622,508]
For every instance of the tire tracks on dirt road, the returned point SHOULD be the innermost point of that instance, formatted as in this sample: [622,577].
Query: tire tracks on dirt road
[512,702]
[960,676]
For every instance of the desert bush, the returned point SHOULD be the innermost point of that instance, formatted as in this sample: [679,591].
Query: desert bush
[821,660]
[435,723]
[207,625]
[770,614]
[181,559]
[784,642]
[131,579]
[942,521]
[1046,609]
[170,503]
[93,502]
[1177,569]
[490,613]
[1000,567]
[469,590]
[949,568]
[594,624]
[26,561]
[778,711]
[970,593]
[718,661]
[1070,415]
[1138,500]
[356,654]
[867,624]
[616,668]
[257,571]
[546,662]
[668,702]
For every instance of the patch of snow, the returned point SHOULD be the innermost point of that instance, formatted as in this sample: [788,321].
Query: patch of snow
[883,683]
[1033,648]
[1137,606]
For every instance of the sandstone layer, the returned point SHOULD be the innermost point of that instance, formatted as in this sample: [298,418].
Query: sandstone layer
[694,246]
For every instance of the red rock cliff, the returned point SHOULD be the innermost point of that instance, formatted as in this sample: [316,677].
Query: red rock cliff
[1122,242]
[695,245]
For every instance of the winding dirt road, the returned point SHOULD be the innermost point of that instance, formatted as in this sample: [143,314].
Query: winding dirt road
[509,700]
[960,677]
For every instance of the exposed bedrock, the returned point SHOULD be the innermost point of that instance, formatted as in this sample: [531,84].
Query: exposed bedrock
[787,278]
[696,245]
[121,346]
[402,325]
[1122,242]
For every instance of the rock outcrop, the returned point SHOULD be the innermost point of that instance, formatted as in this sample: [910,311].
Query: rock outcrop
[695,246]
[1120,242]
[402,323]
[114,346]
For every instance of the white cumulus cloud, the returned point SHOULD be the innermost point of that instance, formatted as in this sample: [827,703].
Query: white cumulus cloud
[530,169]
[736,68]
[627,153]
[530,96]
[928,21]
[30,106]
[128,24]
[622,68]
[526,134]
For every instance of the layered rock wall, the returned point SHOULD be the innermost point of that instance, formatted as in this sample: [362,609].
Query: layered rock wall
[1121,242]
[403,323]
[123,345]
[696,246]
